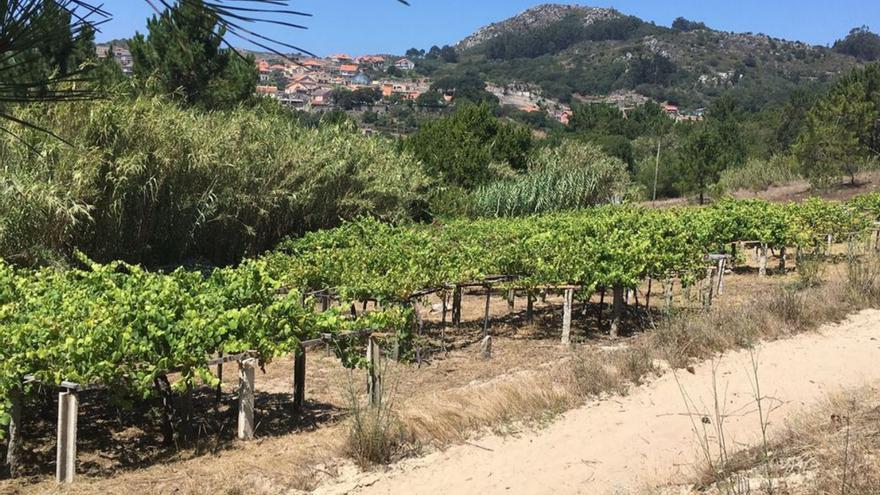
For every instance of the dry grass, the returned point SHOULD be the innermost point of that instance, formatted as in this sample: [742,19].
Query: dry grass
[375,434]
[686,337]
[831,449]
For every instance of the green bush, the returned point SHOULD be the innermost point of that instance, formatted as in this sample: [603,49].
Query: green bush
[759,175]
[571,176]
[146,181]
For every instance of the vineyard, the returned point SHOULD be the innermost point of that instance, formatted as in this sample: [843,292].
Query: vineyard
[127,330]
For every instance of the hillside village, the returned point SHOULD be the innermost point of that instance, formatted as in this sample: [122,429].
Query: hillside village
[308,84]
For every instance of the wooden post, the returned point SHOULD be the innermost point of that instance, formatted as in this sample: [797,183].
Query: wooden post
[648,295]
[374,377]
[65,467]
[246,399]
[617,309]
[708,288]
[721,264]
[420,325]
[601,308]
[511,300]
[456,307]
[668,293]
[486,316]
[762,261]
[443,327]
[325,303]
[14,440]
[530,307]
[566,316]
[782,259]
[486,347]
[219,391]
[830,243]
[299,379]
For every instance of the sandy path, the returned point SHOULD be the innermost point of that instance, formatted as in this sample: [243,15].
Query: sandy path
[632,442]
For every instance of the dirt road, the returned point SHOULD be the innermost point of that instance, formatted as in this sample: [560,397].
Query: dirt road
[625,444]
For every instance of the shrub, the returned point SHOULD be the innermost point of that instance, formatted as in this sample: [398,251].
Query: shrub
[146,181]
[571,176]
[759,175]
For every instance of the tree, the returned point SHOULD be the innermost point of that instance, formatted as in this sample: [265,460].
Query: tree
[460,149]
[792,119]
[430,99]
[701,164]
[468,87]
[841,131]
[682,24]
[448,54]
[415,54]
[349,100]
[860,43]
[278,79]
[183,52]
[713,147]
[62,50]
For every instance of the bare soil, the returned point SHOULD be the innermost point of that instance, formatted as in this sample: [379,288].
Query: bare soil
[630,444]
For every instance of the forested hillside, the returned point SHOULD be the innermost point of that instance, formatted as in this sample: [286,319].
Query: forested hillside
[572,51]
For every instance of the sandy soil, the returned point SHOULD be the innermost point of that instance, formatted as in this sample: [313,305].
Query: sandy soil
[626,444]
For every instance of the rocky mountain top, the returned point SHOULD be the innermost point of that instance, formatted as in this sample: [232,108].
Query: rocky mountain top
[536,18]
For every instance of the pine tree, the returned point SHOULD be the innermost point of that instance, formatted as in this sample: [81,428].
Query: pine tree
[184,54]
[838,134]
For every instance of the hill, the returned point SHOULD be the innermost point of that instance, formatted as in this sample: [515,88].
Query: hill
[573,51]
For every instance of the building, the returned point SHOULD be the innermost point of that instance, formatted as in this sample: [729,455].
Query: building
[266,90]
[321,97]
[120,54]
[405,64]
[348,70]
[374,62]
[341,58]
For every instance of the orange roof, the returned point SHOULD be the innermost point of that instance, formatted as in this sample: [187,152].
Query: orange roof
[312,63]
[349,68]
[267,90]
[341,56]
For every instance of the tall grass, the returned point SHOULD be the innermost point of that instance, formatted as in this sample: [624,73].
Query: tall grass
[146,181]
[571,176]
[759,175]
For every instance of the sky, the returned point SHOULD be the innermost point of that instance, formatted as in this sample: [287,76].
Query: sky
[359,27]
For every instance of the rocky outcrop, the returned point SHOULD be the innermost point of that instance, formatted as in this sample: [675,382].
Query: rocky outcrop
[536,18]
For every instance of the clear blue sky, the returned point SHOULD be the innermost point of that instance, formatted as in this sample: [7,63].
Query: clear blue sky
[385,26]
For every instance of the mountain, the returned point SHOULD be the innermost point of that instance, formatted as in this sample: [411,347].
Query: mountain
[536,18]
[575,52]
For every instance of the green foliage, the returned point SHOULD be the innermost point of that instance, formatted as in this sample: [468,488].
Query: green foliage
[860,43]
[348,99]
[467,87]
[149,182]
[712,147]
[558,36]
[183,55]
[598,119]
[759,175]
[431,99]
[571,176]
[842,131]
[124,327]
[682,24]
[460,149]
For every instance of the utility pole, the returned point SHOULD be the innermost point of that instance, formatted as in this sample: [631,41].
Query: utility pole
[656,171]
